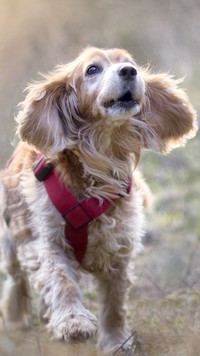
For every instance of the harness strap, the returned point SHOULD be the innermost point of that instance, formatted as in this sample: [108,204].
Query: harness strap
[77,213]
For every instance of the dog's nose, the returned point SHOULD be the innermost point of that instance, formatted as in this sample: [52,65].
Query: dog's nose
[127,72]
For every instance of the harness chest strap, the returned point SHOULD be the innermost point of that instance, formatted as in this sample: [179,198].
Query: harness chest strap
[77,213]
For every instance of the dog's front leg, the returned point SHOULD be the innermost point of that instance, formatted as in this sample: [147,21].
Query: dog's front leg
[56,281]
[113,328]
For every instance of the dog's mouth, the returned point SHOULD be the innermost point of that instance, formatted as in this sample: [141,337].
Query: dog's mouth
[126,101]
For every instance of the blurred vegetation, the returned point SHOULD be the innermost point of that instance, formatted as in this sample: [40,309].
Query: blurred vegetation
[164,305]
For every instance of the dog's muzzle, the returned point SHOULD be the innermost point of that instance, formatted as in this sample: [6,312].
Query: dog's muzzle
[127,98]
[125,101]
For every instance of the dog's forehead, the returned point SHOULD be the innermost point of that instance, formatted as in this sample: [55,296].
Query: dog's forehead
[118,55]
[108,55]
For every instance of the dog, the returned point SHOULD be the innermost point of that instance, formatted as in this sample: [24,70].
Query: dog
[82,129]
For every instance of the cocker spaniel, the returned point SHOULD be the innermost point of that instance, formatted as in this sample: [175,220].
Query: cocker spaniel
[71,199]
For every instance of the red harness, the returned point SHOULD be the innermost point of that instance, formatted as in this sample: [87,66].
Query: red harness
[77,213]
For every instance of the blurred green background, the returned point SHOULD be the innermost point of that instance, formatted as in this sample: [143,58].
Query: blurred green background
[35,36]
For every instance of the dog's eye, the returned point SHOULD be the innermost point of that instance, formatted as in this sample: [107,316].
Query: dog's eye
[93,70]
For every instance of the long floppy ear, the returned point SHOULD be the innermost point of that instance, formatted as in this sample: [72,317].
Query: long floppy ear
[168,113]
[46,116]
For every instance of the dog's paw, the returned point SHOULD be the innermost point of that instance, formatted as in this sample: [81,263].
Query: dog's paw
[77,325]
[131,345]
[22,323]
[115,343]
[14,322]
[118,350]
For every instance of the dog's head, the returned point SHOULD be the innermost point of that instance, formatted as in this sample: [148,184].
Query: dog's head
[105,89]
[111,87]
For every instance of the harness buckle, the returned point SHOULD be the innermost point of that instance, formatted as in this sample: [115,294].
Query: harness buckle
[41,168]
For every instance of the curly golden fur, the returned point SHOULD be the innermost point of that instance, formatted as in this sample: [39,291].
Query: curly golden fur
[91,118]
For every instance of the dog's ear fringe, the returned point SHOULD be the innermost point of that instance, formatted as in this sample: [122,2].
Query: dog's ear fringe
[45,111]
[167,112]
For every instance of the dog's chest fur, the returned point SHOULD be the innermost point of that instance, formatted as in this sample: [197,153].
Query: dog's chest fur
[31,216]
